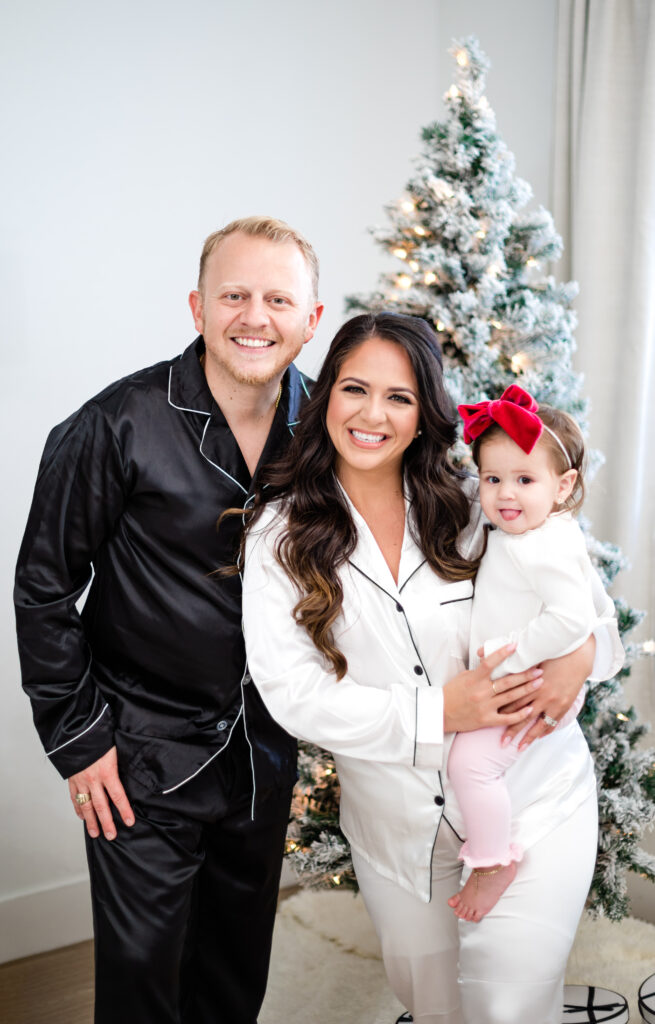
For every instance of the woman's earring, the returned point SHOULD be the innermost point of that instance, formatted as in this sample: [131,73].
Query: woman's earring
[417,434]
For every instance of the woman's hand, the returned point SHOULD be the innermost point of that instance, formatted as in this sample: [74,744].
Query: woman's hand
[563,678]
[472,700]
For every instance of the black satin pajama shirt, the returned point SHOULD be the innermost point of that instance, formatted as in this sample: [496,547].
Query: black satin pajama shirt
[130,489]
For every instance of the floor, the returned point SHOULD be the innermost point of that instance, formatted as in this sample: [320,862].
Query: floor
[50,988]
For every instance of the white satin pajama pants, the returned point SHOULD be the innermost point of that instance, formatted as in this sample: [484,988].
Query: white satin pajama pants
[509,968]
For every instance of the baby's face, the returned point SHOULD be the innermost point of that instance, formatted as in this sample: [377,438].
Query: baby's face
[518,491]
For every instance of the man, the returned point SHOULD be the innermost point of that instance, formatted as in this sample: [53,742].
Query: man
[143,701]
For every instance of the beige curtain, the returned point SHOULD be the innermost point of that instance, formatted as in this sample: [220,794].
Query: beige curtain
[604,206]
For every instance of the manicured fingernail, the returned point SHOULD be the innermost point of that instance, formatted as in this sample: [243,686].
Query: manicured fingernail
[506,740]
[537,682]
[537,673]
[129,821]
[93,833]
[110,835]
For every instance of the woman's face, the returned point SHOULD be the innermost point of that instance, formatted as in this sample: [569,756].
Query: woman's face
[373,411]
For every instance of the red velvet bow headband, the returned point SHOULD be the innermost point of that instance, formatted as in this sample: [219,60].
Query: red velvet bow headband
[515,412]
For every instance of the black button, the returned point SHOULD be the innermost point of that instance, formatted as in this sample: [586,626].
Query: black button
[399,607]
[439,801]
[418,670]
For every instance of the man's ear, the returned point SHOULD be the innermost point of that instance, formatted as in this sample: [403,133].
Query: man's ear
[195,302]
[566,485]
[312,322]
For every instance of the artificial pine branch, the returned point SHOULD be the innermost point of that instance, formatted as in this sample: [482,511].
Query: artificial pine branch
[472,261]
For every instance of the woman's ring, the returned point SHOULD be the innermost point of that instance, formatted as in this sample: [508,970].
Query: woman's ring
[551,722]
[493,687]
[82,798]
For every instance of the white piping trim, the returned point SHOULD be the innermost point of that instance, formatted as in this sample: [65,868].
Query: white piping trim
[215,464]
[252,760]
[49,753]
[304,386]
[200,412]
[208,761]
[182,408]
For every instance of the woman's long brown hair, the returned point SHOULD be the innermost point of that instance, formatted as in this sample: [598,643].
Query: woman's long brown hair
[320,535]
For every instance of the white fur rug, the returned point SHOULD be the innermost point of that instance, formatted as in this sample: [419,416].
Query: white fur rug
[326,966]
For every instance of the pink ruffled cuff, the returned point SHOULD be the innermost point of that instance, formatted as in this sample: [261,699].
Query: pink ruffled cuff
[514,854]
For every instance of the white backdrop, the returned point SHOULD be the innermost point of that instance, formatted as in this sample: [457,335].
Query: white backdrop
[132,130]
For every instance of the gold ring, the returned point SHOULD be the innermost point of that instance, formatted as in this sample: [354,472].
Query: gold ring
[82,798]
[493,687]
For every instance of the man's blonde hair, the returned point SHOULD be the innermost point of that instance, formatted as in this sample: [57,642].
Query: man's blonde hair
[261,227]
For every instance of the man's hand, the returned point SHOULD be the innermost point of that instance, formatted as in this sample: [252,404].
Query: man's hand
[101,780]
[563,679]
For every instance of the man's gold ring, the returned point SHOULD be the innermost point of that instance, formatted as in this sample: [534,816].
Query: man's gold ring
[82,798]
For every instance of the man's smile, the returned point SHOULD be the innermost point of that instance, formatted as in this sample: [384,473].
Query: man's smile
[249,342]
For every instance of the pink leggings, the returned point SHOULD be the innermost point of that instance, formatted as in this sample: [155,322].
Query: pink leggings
[476,767]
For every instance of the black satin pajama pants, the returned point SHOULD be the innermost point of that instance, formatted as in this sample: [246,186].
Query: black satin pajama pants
[184,901]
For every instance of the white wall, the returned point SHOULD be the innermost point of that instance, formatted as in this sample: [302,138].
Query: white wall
[132,130]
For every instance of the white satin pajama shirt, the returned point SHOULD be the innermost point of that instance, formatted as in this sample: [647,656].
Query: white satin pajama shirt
[383,721]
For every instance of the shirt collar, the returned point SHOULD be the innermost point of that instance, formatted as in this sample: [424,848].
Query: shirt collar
[368,558]
[188,390]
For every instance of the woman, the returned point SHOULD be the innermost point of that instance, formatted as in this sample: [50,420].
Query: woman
[358,577]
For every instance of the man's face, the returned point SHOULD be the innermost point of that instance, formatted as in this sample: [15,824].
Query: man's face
[256,309]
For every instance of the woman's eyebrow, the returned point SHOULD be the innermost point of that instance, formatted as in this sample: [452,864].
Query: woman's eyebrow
[365,383]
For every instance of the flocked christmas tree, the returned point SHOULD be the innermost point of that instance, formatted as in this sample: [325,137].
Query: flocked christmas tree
[473,261]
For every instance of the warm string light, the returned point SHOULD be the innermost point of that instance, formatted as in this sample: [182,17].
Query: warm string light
[336,879]
[404,281]
[453,92]
[648,647]
[430,277]
[531,262]
[414,265]
[418,230]
[622,718]
[407,206]
[440,325]
[520,362]
[400,253]
[462,58]
[497,324]
[481,233]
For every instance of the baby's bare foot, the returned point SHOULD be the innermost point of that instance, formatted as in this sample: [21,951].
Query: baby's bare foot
[483,889]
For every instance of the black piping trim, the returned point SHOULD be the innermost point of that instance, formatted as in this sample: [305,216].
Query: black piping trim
[370,580]
[442,819]
[415,726]
[412,574]
[409,628]
[456,600]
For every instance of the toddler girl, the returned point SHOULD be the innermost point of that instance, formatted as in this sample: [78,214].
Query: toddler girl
[533,589]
